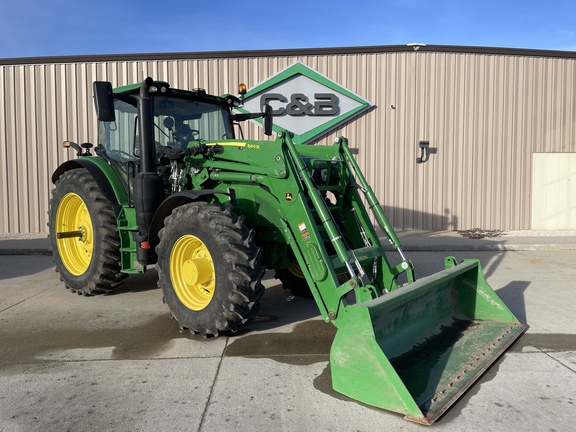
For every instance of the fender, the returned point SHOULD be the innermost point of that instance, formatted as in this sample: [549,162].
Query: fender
[169,204]
[104,175]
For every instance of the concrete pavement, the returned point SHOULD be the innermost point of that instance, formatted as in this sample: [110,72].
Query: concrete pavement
[118,362]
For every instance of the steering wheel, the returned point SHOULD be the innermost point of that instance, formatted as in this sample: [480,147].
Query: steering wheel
[187,135]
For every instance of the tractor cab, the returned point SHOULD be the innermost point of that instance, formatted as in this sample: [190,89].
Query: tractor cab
[179,118]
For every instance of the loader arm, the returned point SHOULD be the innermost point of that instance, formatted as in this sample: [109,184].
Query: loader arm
[340,235]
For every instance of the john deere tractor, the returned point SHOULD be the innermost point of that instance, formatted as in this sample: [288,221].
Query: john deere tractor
[168,183]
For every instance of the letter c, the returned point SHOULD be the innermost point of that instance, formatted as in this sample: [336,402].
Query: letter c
[265,99]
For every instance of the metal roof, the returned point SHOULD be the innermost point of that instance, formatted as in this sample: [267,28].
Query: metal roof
[353,50]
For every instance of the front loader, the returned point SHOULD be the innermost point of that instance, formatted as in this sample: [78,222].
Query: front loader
[170,185]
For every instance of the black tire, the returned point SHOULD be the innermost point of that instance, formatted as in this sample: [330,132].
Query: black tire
[292,279]
[88,264]
[209,269]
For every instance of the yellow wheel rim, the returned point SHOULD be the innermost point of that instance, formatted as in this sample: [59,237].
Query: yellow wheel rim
[192,272]
[75,252]
[296,270]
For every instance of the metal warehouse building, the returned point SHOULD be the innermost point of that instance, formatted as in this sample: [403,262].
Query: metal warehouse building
[500,126]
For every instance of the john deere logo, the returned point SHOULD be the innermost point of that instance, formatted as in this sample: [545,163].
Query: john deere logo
[304,102]
[288,197]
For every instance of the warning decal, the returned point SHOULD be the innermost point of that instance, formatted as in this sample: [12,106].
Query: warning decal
[303,231]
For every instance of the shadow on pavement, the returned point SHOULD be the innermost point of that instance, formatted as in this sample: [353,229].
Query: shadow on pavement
[138,283]
[513,295]
[14,266]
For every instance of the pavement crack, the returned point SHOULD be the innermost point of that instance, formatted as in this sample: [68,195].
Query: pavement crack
[559,362]
[26,299]
[209,401]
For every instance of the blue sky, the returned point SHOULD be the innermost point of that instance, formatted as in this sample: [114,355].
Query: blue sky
[30,28]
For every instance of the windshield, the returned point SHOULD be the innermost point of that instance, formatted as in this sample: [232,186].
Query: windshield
[176,122]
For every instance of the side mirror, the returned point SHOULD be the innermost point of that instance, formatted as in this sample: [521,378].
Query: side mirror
[267,120]
[104,101]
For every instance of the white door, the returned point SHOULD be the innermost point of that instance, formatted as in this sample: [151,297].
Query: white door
[554,191]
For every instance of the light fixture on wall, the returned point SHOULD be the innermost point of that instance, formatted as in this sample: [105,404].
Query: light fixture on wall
[424,154]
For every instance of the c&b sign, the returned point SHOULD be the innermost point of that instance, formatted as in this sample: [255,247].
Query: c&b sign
[305,102]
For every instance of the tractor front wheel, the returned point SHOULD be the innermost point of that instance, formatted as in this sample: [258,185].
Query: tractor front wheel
[209,269]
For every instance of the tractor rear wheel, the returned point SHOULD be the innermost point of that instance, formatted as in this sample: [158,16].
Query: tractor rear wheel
[209,269]
[294,280]
[84,235]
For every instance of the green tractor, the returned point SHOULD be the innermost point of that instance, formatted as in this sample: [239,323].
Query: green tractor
[170,185]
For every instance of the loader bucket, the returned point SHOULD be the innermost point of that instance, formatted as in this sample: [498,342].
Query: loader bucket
[417,349]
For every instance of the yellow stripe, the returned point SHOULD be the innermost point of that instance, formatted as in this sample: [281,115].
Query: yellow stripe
[229,144]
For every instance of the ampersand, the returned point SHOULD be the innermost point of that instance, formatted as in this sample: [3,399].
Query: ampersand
[299,105]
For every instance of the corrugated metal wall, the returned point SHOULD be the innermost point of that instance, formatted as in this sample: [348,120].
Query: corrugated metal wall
[484,115]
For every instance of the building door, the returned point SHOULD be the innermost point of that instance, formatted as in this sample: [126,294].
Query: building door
[554,191]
